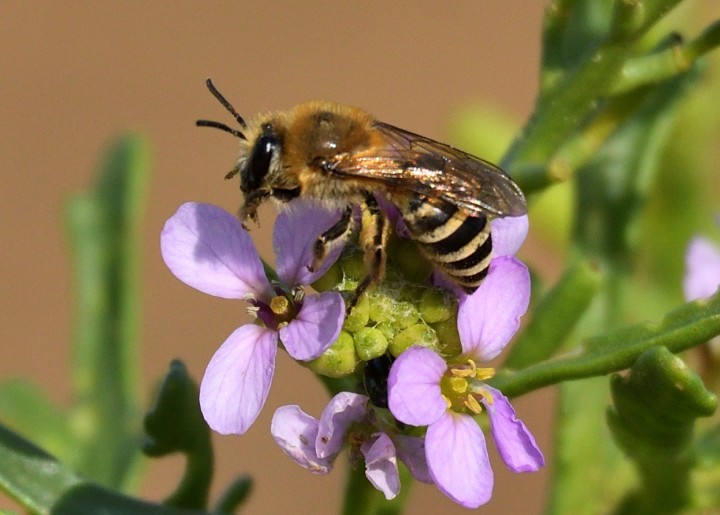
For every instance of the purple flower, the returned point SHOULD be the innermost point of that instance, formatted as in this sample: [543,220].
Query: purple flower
[424,390]
[702,265]
[349,418]
[207,248]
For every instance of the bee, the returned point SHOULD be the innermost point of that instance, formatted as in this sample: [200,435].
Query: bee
[341,156]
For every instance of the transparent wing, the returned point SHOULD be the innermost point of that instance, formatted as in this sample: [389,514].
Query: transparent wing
[420,165]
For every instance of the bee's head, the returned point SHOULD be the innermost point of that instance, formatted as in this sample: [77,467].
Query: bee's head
[262,158]
[259,164]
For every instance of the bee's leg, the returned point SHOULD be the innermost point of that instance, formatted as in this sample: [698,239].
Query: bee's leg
[337,232]
[374,233]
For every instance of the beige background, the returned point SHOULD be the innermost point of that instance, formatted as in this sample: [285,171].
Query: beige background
[73,75]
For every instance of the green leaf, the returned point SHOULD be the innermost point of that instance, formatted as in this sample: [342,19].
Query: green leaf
[26,409]
[175,424]
[653,418]
[104,228]
[43,485]
[235,494]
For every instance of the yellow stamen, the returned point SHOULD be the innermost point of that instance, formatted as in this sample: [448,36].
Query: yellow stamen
[473,405]
[463,371]
[447,402]
[484,373]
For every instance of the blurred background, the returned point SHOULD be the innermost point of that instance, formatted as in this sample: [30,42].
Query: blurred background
[73,76]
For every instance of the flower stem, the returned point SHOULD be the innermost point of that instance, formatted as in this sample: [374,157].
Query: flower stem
[360,497]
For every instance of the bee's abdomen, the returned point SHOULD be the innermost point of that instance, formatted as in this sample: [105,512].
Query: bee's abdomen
[458,244]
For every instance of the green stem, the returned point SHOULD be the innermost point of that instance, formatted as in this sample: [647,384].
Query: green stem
[653,68]
[689,325]
[361,498]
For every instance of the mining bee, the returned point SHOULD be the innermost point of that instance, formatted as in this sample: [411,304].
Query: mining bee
[341,157]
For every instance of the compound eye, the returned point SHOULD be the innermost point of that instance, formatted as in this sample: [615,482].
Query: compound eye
[259,163]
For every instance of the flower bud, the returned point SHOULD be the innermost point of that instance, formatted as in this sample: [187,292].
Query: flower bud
[370,343]
[359,316]
[382,308]
[339,360]
[436,305]
[405,314]
[448,336]
[329,279]
[353,266]
[418,334]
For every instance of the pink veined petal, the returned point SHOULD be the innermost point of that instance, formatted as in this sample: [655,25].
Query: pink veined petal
[414,395]
[489,318]
[296,230]
[702,263]
[315,327]
[237,379]
[342,410]
[458,460]
[411,451]
[295,432]
[508,234]
[514,441]
[207,248]
[381,464]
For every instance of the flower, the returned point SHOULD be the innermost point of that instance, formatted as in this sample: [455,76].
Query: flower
[348,417]
[424,390]
[207,248]
[702,265]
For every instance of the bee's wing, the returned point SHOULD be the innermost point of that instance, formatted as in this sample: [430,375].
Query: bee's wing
[414,163]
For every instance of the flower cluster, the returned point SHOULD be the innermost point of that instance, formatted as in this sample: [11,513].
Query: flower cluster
[426,407]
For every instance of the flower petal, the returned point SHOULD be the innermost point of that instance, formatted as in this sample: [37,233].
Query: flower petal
[342,410]
[514,441]
[381,464]
[411,450]
[508,234]
[237,379]
[458,460]
[489,318]
[702,262]
[296,230]
[295,432]
[207,248]
[414,395]
[315,327]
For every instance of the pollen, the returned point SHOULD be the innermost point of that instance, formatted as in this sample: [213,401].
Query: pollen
[280,305]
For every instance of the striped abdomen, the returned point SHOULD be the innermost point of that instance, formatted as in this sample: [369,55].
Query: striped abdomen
[458,244]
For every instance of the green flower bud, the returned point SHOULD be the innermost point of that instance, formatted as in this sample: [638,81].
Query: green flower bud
[382,308]
[436,305]
[387,329]
[405,257]
[330,279]
[359,316]
[448,336]
[339,360]
[405,314]
[370,343]
[418,334]
[353,266]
